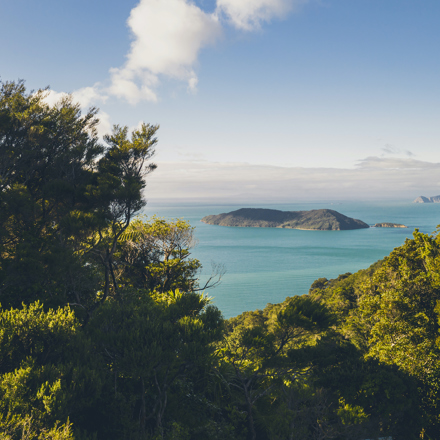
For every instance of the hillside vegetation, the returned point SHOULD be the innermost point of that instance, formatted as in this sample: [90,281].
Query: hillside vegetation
[106,334]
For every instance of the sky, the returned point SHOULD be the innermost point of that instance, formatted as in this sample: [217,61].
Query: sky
[286,100]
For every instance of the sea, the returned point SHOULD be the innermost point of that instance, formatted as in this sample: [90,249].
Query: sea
[266,265]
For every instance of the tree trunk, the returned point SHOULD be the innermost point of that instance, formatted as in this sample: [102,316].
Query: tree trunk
[250,416]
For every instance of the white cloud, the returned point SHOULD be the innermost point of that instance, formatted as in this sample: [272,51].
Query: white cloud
[167,38]
[105,126]
[89,96]
[124,86]
[249,14]
[168,35]
[86,97]
[53,97]
[192,84]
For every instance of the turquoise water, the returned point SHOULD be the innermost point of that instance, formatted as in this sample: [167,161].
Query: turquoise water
[264,265]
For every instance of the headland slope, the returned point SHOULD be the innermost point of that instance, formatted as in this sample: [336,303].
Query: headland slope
[423,199]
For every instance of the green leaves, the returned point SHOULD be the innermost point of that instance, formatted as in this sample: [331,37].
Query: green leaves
[150,348]
[65,198]
[399,304]
[35,349]
[304,314]
[265,350]
[47,159]
[123,168]
[155,254]
[389,312]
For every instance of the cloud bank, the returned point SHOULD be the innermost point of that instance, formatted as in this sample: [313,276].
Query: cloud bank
[373,178]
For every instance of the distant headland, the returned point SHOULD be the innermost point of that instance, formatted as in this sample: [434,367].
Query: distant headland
[317,219]
[423,199]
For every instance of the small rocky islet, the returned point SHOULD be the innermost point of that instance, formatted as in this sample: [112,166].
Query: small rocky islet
[389,225]
[314,220]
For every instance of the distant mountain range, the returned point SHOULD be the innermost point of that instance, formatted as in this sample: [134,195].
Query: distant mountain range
[318,219]
[423,199]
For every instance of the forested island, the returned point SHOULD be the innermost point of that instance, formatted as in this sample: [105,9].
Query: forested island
[106,334]
[317,219]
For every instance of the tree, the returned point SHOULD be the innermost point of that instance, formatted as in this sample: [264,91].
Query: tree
[155,255]
[135,344]
[153,350]
[65,199]
[47,160]
[120,179]
[397,319]
[262,350]
[389,312]
[47,373]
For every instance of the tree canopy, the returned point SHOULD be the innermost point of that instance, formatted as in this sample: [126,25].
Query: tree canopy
[65,198]
[105,332]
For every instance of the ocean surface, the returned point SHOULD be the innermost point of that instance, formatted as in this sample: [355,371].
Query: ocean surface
[265,265]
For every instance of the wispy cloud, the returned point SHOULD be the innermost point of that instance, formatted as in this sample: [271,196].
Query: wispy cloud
[250,14]
[394,163]
[391,149]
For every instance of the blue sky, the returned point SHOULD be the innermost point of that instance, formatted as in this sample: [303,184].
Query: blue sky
[289,99]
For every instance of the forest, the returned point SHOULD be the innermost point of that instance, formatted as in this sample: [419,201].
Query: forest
[106,333]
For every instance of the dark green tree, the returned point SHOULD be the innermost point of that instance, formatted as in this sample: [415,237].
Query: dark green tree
[154,350]
[65,199]
[118,195]
[47,160]
[155,255]
[262,351]
[48,374]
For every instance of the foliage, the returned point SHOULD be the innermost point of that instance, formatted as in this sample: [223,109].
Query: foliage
[262,350]
[103,334]
[23,429]
[155,254]
[65,199]
[151,350]
[41,354]
[118,191]
[399,304]
[47,160]
[390,312]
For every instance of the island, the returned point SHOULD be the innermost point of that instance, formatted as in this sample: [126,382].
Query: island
[423,199]
[317,219]
[389,225]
